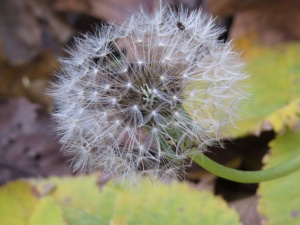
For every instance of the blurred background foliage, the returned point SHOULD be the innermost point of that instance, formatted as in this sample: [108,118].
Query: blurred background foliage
[32,34]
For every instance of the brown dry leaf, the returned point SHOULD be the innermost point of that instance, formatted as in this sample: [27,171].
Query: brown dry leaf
[108,10]
[19,31]
[229,7]
[246,208]
[27,145]
[27,27]
[271,22]
[30,80]
[111,10]
[53,26]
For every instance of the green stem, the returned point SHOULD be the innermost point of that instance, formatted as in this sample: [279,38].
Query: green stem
[247,176]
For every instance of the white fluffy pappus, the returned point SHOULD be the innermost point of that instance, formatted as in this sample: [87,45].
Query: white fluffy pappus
[133,99]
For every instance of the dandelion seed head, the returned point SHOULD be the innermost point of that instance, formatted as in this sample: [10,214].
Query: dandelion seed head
[133,96]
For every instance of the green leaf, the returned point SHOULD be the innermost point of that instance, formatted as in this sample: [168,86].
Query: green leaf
[274,86]
[280,201]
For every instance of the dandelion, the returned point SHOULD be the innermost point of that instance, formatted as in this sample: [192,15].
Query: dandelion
[134,99]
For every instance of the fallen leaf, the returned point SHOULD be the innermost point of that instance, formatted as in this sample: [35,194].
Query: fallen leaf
[112,10]
[271,22]
[27,143]
[20,32]
[246,208]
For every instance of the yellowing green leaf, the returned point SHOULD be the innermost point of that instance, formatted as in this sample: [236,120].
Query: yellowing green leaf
[80,192]
[46,213]
[285,116]
[175,203]
[274,86]
[75,216]
[17,202]
[78,200]
[148,203]
[280,198]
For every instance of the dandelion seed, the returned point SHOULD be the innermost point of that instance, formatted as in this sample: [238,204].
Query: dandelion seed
[132,96]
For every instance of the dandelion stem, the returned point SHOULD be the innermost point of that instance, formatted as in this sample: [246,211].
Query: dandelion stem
[247,176]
